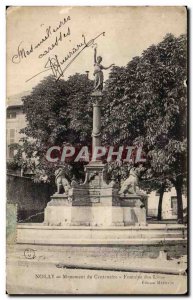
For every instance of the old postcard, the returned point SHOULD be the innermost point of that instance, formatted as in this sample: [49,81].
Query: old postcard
[97,150]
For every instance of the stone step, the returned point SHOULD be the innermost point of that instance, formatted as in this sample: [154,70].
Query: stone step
[40,234]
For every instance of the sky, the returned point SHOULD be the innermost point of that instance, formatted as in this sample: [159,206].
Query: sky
[128,31]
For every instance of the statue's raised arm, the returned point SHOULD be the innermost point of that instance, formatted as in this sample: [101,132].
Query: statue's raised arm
[95,55]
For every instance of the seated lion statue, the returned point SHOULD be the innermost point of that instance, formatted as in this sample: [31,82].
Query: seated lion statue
[131,184]
[61,181]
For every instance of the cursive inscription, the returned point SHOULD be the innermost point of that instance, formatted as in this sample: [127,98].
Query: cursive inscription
[55,65]
[23,52]
[55,44]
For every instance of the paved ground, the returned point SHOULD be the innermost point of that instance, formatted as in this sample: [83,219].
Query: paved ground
[38,275]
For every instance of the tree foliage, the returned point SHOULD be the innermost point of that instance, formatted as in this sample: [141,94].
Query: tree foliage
[57,113]
[147,105]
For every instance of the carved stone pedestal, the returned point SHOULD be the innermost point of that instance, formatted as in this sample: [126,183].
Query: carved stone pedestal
[58,211]
[134,209]
[93,203]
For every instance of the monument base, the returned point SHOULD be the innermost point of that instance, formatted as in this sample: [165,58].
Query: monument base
[83,216]
[129,210]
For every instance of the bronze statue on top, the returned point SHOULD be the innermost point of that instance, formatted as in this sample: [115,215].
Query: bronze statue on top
[98,73]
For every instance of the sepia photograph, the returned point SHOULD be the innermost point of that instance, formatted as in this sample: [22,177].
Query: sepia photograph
[96,150]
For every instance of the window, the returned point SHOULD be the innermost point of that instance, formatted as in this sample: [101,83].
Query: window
[174,205]
[12,136]
[157,193]
[11,115]
[10,140]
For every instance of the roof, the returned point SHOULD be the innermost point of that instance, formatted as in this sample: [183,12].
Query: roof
[15,100]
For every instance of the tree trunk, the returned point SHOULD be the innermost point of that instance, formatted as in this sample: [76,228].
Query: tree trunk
[161,193]
[178,187]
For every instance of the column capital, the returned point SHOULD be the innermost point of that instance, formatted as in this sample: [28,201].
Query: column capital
[97,97]
[97,94]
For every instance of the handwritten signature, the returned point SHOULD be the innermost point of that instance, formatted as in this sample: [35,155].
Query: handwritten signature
[53,64]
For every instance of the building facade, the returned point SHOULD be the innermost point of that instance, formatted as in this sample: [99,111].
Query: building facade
[169,204]
[16,121]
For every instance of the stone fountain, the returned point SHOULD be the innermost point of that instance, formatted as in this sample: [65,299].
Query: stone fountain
[96,202]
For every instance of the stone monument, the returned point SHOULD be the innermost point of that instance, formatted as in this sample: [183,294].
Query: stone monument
[96,202]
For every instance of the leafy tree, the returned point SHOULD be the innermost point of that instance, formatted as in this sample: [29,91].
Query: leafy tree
[147,105]
[57,113]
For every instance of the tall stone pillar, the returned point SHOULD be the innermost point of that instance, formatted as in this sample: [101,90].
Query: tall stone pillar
[96,131]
